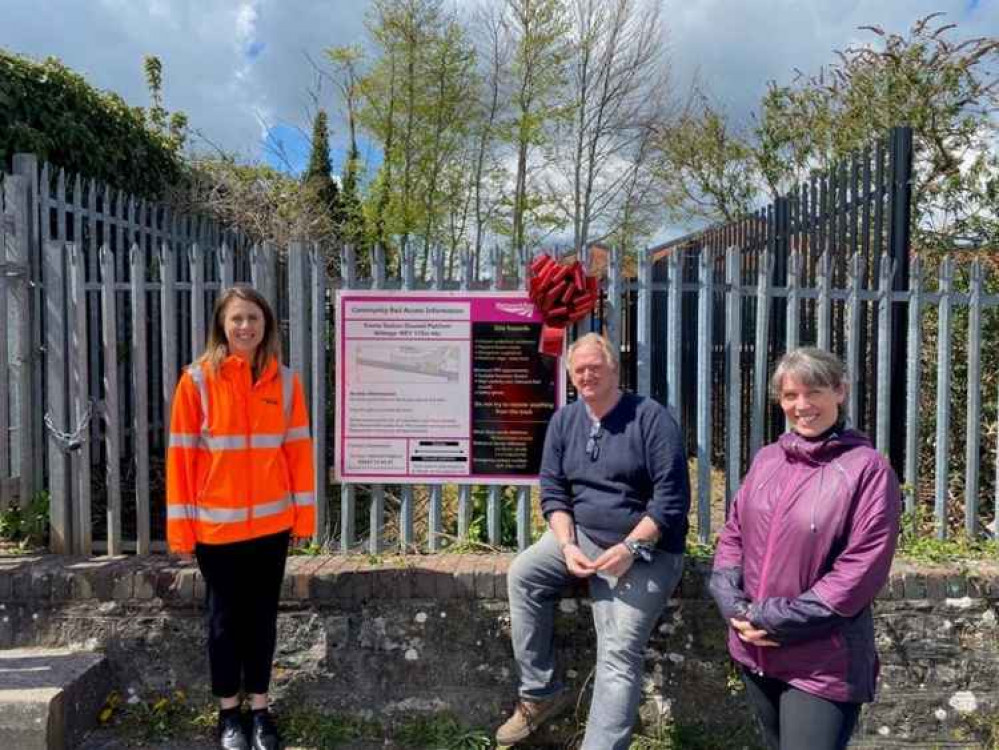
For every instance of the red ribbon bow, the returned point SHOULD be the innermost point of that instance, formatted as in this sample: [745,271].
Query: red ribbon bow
[564,294]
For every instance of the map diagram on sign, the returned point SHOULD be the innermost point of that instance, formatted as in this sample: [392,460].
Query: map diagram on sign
[413,363]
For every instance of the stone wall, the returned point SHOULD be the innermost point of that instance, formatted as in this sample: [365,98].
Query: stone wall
[431,633]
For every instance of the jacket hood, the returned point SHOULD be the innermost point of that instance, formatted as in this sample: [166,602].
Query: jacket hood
[822,450]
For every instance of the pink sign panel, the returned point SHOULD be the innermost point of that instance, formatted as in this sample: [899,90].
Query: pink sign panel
[441,387]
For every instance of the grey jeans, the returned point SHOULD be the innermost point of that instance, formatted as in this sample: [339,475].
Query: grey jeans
[624,613]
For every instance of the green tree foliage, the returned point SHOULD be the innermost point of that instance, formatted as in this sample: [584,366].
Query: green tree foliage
[943,86]
[265,204]
[318,179]
[706,167]
[540,31]
[413,101]
[48,110]
[930,78]
[346,61]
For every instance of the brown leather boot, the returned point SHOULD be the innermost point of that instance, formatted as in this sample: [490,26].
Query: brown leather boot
[529,715]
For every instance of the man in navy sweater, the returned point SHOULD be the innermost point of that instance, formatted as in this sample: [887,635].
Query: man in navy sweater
[615,493]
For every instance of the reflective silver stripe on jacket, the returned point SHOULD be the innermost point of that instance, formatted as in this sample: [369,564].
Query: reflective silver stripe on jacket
[198,376]
[180,512]
[177,512]
[287,386]
[297,433]
[228,442]
[304,499]
[185,440]
[271,509]
[225,442]
[266,440]
[201,513]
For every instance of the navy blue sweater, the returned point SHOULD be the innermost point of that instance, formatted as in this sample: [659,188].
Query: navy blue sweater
[640,470]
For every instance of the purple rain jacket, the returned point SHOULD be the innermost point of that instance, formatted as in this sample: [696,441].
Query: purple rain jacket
[807,546]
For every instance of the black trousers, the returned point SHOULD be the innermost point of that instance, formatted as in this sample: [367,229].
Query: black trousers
[243,586]
[792,719]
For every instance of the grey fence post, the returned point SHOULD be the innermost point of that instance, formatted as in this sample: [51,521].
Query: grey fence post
[758,422]
[914,371]
[435,491]
[494,505]
[57,407]
[197,302]
[705,307]
[264,271]
[523,492]
[318,403]
[81,406]
[6,282]
[793,313]
[168,327]
[140,371]
[27,378]
[112,433]
[824,306]
[733,368]
[376,511]
[407,270]
[465,490]
[30,249]
[643,325]
[298,297]
[227,266]
[853,335]
[612,303]
[883,408]
[348,501]
[674,397]
[944,368]
[973,425]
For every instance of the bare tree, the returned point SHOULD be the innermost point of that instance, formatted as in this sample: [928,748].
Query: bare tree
[619,85]
[494,53]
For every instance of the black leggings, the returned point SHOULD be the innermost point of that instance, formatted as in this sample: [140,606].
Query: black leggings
[243,586]
[791,719]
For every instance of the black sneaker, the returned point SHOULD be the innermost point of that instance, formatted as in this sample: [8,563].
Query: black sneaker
[231,733]
[264,733]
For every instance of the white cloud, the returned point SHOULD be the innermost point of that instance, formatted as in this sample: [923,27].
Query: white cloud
[237,66]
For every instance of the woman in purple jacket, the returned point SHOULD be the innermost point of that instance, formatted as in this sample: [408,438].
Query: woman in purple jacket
[806,548]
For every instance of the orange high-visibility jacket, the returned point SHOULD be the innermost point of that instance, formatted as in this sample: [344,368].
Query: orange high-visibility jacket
[239,462]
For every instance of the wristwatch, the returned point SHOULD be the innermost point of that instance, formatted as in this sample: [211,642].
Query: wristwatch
[640,550]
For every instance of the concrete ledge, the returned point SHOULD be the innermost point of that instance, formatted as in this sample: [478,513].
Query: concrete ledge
[356,578]
[49,697]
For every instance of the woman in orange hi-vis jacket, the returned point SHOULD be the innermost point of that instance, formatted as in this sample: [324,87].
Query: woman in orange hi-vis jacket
[239,486]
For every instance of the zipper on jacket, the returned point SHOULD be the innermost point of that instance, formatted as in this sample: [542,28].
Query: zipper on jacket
[767,557]
[249,453]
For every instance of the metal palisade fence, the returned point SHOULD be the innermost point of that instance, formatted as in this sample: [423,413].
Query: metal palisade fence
[106,298]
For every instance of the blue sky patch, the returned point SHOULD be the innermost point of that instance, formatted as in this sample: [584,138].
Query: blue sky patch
[254,49]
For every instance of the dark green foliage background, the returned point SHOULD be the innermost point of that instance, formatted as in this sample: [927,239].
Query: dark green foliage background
[48,110]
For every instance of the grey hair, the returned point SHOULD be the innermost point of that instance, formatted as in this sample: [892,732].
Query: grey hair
[812,366]
[600,342]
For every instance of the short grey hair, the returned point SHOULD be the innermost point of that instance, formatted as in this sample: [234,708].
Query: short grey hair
[812,366]
[598,341]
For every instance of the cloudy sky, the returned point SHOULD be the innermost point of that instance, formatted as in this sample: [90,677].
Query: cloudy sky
[241,69]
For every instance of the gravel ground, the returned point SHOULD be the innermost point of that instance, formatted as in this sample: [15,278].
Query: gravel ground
[107,740]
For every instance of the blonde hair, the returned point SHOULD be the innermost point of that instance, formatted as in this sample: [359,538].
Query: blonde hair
[598,341]
[812,366]
[217,346]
